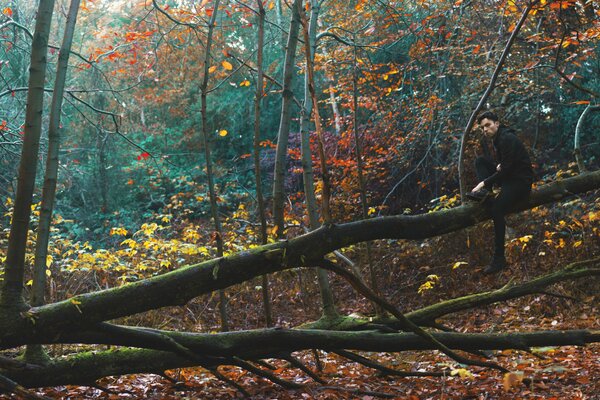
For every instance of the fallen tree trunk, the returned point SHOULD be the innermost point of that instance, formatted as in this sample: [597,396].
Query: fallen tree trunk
[85,368]
[180,286]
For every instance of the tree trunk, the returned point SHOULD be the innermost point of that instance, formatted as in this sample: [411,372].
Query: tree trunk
[214,208]
[361,179]
[577,139]
[310,33]
[12,287]
[179,286]
[284,124]
[49,189]
[85,368]
[257,168]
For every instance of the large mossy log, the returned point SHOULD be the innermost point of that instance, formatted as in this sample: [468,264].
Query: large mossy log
[180,286]
[85,368]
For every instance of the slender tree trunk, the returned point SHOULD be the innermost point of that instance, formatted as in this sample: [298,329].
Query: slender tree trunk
[35,352]
[577,139]
[310,33]
[361,179]
[209,173]
[334,105]
[284,124]
[326,189]
[12,287]
[257,170]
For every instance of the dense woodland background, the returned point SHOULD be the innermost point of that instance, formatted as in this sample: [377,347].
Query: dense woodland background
[395,84]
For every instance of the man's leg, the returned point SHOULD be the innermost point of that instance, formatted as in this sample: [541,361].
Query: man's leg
[511,193]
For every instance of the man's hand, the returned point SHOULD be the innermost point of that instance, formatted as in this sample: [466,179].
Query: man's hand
[479,186]
[498,168]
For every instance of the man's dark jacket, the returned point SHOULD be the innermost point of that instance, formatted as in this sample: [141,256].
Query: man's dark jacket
[513,158]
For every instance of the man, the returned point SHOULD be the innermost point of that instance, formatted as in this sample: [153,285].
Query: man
[512,172]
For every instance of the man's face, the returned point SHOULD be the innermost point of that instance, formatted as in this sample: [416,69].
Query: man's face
[489,127]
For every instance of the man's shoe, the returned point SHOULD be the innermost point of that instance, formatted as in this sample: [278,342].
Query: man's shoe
[497,265]
[479,195]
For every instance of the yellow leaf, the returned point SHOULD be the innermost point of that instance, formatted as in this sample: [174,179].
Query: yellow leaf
[227,65]
[462,372]
[458,264]
[271,5]
[29,282]
[48,273]
[577,243]
[245,82]
[74,301]
[525,239]
[223,132]
[212,69]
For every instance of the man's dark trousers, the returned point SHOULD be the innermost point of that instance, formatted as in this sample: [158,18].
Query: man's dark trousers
[512,191]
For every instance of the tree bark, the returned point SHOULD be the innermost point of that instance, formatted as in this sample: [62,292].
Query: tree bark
[310,43]
[49,189]
[12,287]
[285,121]
[85,368]
[214,208]
[257,167]
[577,139]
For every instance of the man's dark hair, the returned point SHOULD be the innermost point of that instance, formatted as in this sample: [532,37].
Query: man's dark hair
[489,115]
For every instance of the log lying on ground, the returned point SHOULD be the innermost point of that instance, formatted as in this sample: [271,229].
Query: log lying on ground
[428,315]
[180,286]
[85,368]
[164,349]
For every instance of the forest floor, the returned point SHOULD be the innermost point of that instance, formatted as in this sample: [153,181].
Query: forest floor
[540,241]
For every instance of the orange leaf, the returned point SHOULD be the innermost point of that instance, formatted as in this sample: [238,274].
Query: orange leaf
[227,65]
[511,380]
[8,12]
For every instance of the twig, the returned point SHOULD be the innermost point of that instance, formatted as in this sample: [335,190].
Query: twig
[300,365]
[266,374]
[386,370]
[225,379]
